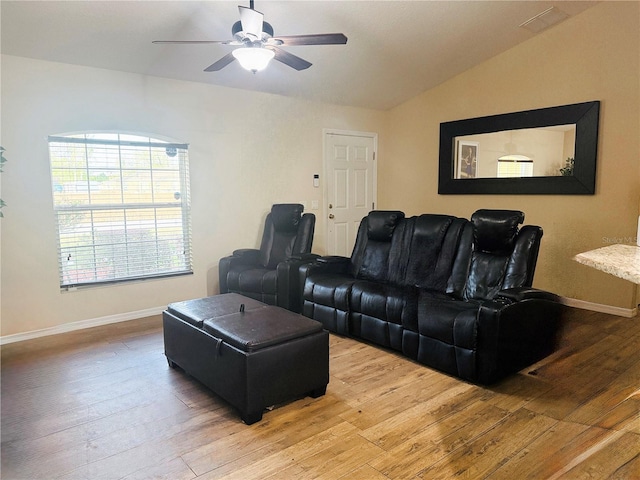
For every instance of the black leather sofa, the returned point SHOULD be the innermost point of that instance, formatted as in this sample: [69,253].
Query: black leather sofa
[450,293]
[270,274]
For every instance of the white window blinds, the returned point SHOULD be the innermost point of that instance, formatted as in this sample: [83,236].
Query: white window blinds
[122,207]
[515,168]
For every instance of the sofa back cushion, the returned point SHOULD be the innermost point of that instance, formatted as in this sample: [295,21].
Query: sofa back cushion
[431,249]
[304,238]
[374,250]
[495,231]
[522,263]
[285,233]
[460,270]
[495,234]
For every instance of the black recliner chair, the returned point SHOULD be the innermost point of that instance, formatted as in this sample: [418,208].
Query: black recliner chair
[270,274]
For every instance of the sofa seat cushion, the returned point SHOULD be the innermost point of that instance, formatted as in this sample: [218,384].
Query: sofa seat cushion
[390,303]
[252,280]
[380,312]
[448,320]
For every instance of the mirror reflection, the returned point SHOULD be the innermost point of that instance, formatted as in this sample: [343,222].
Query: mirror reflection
[527,152]
[544,151]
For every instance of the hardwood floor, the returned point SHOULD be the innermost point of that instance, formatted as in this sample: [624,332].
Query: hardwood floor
[103,404]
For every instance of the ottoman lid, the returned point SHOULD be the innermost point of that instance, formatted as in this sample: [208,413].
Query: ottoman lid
[197,311]
[262,327]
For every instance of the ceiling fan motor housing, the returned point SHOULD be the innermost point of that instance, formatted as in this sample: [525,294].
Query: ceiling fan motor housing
[238,33]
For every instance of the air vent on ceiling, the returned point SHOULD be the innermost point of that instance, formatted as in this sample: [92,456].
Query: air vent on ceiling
[543,20]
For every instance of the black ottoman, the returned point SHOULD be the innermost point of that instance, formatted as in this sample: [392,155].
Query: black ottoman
[251,354]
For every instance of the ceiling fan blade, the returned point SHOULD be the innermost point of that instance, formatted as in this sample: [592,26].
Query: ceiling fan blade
[220,64]
[193,42]
[315,39]
[291,60]
[251,21]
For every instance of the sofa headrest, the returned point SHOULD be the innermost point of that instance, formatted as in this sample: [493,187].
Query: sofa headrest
[381,224]
[495,231]
[286,216]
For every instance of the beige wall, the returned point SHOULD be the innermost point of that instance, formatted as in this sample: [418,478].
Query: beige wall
[247,151]
[593,56]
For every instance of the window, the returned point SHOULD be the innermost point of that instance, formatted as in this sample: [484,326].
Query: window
[122,207]
[514,168]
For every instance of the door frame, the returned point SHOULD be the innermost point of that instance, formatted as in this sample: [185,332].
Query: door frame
[325,184]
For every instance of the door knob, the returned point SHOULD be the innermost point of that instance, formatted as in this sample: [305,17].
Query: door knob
[331,216]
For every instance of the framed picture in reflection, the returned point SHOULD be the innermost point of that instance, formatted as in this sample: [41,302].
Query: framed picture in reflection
[467,159]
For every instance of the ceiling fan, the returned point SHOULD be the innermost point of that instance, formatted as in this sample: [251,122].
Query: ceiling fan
[257,45]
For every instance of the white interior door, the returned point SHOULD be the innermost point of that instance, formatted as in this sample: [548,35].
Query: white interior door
[350,171]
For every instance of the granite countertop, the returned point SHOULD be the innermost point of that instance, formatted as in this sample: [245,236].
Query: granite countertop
[620,260]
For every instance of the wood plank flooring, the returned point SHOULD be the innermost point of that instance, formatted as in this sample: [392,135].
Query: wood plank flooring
[103,404]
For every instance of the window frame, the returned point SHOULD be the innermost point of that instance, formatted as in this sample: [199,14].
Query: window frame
[122,141]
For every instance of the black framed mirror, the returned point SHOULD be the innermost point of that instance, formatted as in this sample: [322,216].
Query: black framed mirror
[544,151]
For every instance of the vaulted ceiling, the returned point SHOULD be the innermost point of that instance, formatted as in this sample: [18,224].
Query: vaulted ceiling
[395,49]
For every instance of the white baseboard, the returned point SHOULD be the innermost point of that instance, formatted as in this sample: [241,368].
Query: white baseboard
[598,307]
[80,325]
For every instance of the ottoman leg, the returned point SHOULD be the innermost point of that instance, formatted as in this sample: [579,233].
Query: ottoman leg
[250,418]
[318,392]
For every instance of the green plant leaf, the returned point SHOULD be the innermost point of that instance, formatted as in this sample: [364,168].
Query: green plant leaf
[2,162]
[2,159]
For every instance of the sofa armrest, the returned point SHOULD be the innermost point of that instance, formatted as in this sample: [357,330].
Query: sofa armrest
[333,260]
[519,294]
[248,256]
[305,257]
[516,329]
[324,265]
[332,264]
[289,289]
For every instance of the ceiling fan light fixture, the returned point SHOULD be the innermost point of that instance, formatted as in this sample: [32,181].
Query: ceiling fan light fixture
[253,59]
